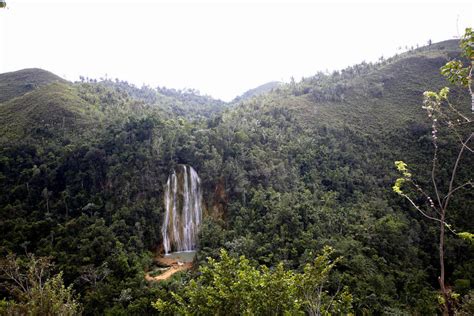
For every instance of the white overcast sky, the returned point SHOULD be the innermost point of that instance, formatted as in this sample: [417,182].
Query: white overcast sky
[221,48]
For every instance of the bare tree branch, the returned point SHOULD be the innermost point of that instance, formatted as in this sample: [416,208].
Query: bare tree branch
[426,215]
[453,174]
[458,188]
[433,168]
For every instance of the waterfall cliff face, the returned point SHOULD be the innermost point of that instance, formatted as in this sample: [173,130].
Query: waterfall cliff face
[183,210]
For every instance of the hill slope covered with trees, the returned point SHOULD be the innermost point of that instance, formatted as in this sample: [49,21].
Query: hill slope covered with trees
[285,174]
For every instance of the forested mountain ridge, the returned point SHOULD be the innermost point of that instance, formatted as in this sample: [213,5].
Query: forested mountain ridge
[187,103]
[262,89]
[49,112]
[14,84]
[104,99]
[284,174]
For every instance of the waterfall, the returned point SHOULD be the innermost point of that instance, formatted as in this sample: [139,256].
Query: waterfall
[183,210]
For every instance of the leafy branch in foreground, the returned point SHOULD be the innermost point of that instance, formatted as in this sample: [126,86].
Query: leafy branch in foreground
[36,292]
[444,115]
[232,286]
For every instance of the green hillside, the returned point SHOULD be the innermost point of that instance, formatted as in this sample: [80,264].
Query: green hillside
[42,106]
[188,103]
[49,112]
[17,83]
[262,89]
[284,174]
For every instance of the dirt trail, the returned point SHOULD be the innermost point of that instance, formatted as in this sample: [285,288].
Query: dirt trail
[175,267]
[172,270]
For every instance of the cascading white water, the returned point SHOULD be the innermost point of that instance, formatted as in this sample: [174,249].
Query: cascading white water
[183,210]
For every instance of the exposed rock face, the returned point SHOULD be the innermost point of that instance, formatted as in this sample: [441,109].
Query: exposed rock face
[220,200]
[183,210]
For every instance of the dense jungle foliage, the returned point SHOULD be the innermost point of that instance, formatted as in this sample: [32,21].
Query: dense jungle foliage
[297,183]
